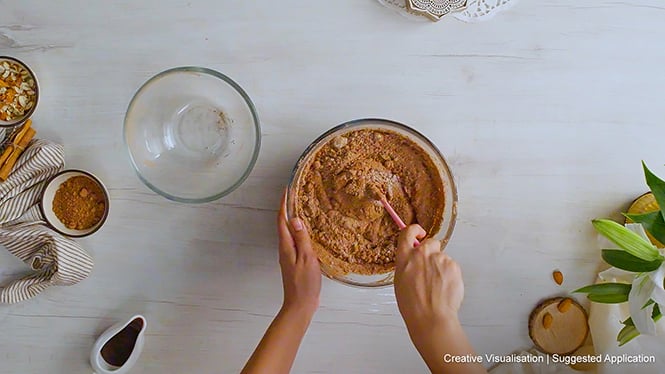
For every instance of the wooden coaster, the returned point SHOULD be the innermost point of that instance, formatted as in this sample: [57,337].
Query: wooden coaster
[558,325]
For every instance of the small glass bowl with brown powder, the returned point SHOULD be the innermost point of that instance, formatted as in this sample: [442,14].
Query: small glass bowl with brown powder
[75,203]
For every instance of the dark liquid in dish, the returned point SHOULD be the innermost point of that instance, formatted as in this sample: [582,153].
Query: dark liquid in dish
[118,349]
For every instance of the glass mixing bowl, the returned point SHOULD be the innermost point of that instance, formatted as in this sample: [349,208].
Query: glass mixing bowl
[449,189]
[193,134]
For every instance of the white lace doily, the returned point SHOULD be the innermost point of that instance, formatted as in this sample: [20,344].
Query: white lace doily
[476,10]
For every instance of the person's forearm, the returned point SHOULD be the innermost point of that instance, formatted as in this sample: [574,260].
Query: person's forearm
[445,338]
[279,346]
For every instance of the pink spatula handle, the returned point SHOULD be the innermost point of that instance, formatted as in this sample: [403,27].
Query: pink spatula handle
[398,221]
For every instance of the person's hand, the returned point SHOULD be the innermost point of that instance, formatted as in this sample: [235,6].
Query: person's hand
[301,275]
[428,283]
[429,292]
[301,278]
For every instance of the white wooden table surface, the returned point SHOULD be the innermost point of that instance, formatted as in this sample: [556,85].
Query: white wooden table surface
[544,114]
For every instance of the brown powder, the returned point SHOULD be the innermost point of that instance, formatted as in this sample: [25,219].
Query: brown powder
[79,203]
[338,198]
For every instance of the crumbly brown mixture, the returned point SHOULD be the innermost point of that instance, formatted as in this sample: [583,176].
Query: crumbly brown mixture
[338,198]
[79,203]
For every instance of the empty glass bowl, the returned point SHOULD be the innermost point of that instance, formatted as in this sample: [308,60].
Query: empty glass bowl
[193,134]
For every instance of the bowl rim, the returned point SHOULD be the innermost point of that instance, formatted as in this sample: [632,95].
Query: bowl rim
[31,111]
[447,235]
[250,105]
[107,200]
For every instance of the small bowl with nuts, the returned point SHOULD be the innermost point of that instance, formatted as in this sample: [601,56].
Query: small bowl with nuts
[19,92]
[75,203]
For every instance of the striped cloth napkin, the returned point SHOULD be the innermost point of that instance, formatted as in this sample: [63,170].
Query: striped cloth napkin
[53,258]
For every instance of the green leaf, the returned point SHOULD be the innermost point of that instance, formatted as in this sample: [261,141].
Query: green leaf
[607,293]
[606,289]
[656,315]
[627,240]
[653,222]
[648,303]
[627,333]
[625,261]
[657,187]
[608,299]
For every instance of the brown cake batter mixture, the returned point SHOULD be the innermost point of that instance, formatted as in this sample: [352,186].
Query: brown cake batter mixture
[338,198]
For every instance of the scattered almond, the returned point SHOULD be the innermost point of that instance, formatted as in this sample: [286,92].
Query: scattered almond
[558,277]
[565,305]
[547,321]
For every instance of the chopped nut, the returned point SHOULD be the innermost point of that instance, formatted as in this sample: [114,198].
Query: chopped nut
[564,305]
[17,95]
[340,142]
[83,192]
[558,277]
[547,321]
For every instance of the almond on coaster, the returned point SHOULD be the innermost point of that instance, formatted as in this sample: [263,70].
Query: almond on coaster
[565,305]
[547,320]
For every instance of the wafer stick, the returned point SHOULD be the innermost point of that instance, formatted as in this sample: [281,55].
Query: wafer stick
[9,164]
[15,140]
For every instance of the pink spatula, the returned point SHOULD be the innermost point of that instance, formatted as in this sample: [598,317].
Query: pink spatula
[398,221]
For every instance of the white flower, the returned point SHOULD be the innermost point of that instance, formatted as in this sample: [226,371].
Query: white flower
[639,295]
[645,286]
